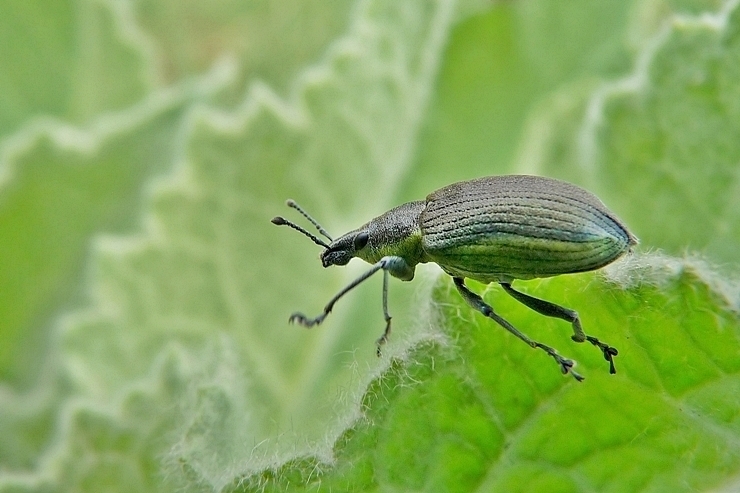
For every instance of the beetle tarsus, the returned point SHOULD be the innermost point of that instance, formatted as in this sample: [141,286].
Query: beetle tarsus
[609,352]
[303,320]
[552,310]
[566,365]
[383,339]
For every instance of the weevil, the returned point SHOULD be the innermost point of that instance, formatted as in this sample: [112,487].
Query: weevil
[493,229]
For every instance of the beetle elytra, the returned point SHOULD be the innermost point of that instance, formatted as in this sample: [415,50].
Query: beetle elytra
[492,229]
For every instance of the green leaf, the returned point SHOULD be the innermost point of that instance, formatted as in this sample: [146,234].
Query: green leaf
[271,40]
[665,132]
[144,343]
[73,76]
[478,410]
[184,352]
[498,67]
[67,60]
[68,182]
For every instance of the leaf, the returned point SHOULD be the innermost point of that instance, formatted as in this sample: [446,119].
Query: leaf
[480,411]
[270,40]
[497,69]
[92,66]
[176,369]
[183,353]
[71,72]
[666,132]
[68,181]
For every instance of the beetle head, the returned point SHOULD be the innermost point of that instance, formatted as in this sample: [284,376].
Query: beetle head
[394,233]
[343,249]
[337,252]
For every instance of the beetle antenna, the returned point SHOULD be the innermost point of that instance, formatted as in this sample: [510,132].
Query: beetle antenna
[291,203]
[281,221]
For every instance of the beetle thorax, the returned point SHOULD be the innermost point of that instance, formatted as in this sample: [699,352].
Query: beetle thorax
[395,233]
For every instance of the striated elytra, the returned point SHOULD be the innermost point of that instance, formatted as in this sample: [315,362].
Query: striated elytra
[492,229]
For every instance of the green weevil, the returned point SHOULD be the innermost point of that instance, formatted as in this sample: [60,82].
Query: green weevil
[492,229]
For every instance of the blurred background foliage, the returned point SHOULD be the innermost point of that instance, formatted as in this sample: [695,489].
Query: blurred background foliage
[145,144]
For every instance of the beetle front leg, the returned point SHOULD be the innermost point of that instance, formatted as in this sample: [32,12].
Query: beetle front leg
[389,265]
[310,322]
[552,310]
[566,365]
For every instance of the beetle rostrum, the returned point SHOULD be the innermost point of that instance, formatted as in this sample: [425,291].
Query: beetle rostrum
[492,229]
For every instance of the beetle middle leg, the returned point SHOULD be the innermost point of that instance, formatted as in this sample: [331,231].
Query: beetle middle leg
[387,332]
[552,310]
[566,365]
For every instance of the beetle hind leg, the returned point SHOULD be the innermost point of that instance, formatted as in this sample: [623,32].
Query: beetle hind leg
[566,365]
[552,310]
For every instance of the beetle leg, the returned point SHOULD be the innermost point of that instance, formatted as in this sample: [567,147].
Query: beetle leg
[552,310]
[387,264]
[387,332]
[566,365]
[310,322]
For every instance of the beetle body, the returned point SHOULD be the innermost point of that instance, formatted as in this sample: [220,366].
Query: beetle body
[492,229]
[502,228]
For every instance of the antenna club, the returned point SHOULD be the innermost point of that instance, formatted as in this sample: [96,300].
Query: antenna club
[280,221]
[290,203]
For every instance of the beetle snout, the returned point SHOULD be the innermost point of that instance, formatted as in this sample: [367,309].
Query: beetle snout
[335,257]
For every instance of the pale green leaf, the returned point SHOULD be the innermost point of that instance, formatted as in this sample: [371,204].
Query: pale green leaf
[666,133]
[144,343]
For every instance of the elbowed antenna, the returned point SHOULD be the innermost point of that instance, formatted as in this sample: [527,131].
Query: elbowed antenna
[281,221]
[291,203]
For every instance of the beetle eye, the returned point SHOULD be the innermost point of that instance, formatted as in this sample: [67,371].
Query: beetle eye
[361,241]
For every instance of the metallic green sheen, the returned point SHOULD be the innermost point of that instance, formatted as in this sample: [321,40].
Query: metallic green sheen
[394,233]
[493,229]
[500,228]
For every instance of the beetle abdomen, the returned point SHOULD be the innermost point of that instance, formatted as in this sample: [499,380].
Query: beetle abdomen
[519,226]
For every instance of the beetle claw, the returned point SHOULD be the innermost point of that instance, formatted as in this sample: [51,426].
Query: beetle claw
[566,365]
[383,339]
[609,352]
[378,344]
[303,320]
